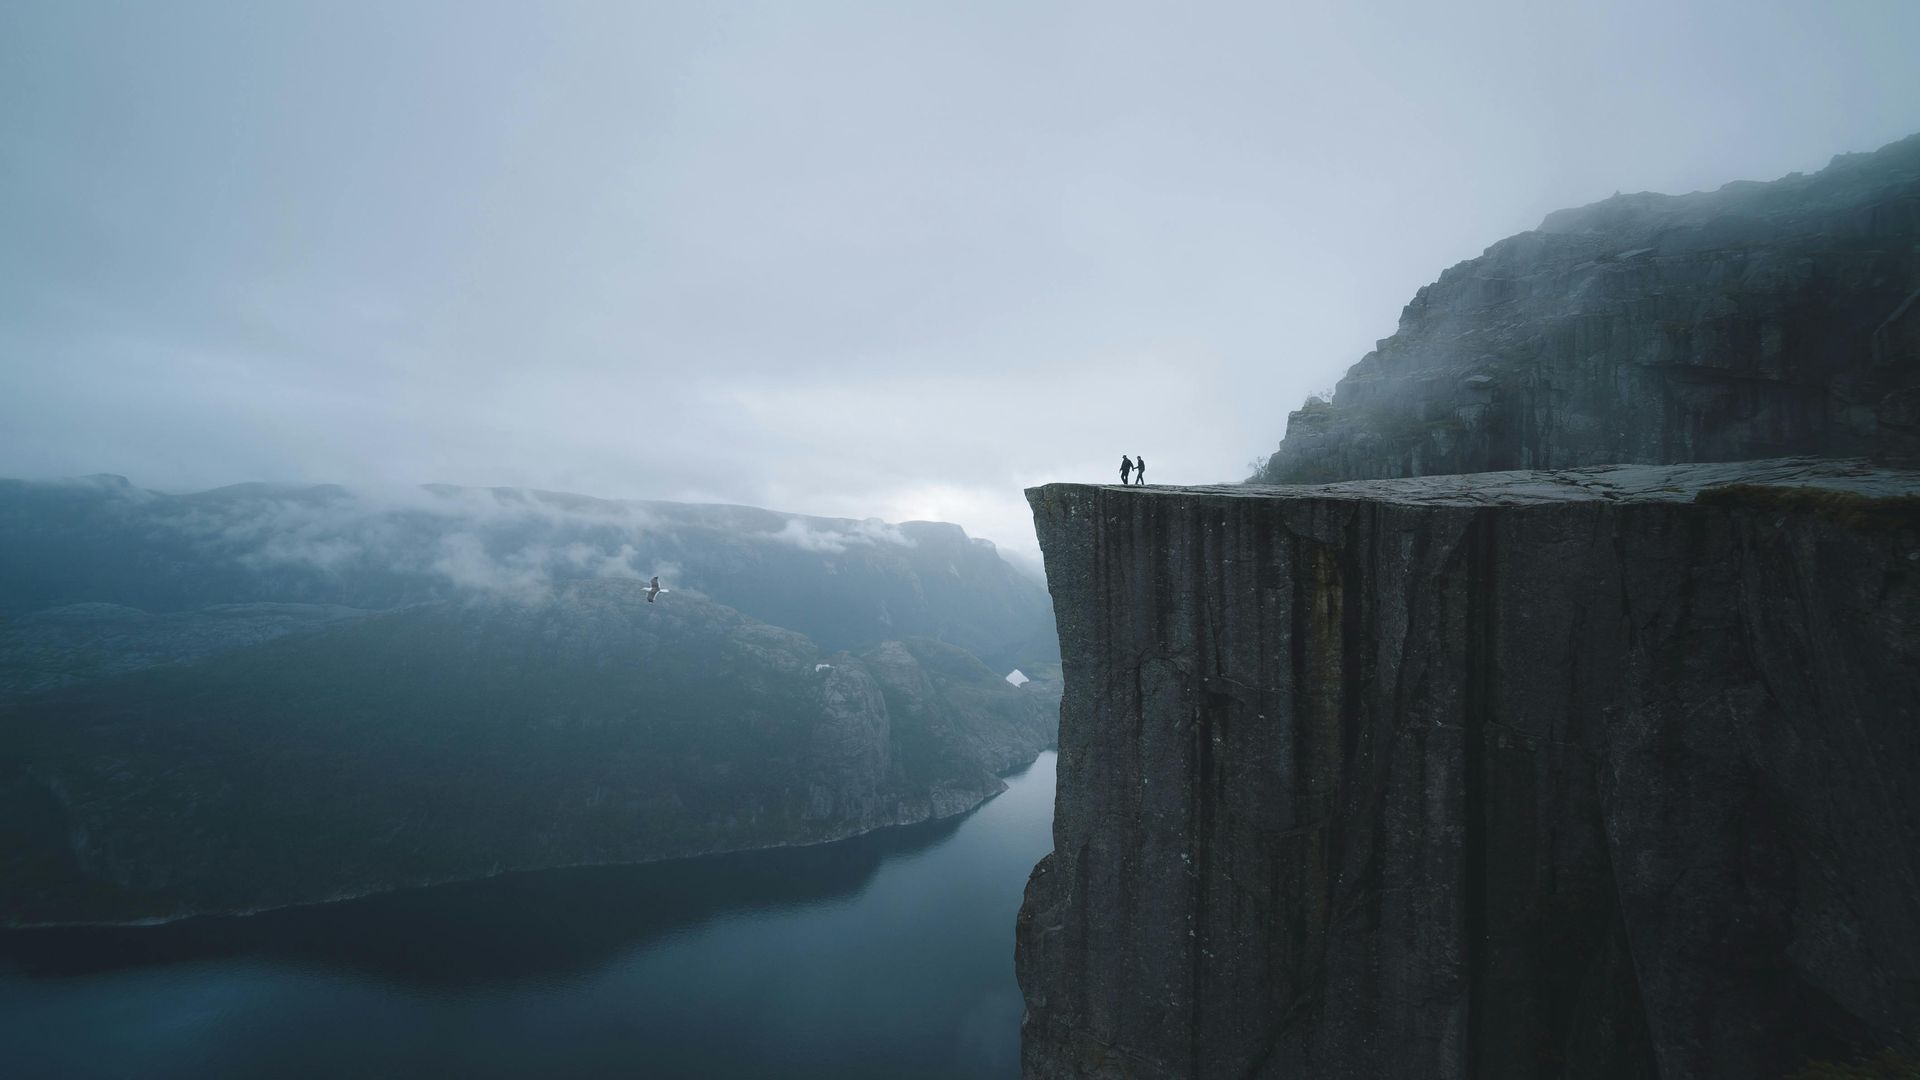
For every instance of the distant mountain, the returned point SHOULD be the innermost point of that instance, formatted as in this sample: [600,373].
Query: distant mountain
[262,696]
[842,582]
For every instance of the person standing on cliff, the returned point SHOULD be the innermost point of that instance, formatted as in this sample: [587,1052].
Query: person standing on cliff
[1140,470]
[1126,467]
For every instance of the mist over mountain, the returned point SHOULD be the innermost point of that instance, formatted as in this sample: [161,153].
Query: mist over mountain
[842,582]
[1753,320]
[264,695]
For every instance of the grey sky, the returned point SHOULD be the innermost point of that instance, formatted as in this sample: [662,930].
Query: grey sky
[861,259]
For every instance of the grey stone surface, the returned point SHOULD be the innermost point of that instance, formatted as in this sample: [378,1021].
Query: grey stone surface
[1602,773]
[1753,321]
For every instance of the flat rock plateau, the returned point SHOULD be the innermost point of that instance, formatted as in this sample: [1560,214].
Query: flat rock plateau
[1602,772]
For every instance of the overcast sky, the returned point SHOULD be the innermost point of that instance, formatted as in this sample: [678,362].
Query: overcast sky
[860,259]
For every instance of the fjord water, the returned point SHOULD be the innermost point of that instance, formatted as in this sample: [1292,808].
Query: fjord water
[887,955]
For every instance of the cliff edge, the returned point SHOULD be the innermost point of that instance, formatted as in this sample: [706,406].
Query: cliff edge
[1593,773]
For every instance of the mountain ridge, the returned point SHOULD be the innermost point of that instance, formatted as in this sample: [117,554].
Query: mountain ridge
[265,695]
[1761,319]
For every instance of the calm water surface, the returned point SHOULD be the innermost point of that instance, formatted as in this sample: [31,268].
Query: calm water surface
[889,955]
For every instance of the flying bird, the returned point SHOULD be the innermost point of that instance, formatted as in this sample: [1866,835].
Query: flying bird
[653,590]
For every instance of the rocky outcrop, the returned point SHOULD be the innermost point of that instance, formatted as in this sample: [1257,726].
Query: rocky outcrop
[1759,320]
[1592,773]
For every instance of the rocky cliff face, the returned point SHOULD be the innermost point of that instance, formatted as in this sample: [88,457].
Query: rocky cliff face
[1758,320]
[1594,773]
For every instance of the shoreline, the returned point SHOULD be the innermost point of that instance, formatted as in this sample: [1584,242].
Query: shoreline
[1016,770]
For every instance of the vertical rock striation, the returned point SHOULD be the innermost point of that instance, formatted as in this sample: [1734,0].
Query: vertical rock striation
[1598,773]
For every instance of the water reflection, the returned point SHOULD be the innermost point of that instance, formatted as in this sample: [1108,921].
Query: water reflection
[886,955]
[517,926]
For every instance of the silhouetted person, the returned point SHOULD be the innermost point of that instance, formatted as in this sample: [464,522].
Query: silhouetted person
[653,590]
[1140,471]
[1126,469]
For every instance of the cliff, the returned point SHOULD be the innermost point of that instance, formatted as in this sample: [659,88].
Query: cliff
[1758,320]
[1591,773]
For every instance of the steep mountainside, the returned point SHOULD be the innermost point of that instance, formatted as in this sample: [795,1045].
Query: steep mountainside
[1758,320]
[267,695]
[1604,773]
[65,646]
[457,739]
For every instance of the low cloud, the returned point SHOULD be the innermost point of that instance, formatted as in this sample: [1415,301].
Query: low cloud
[437,540]
[600,257]
[511,542]
[465,562]
[797,532]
